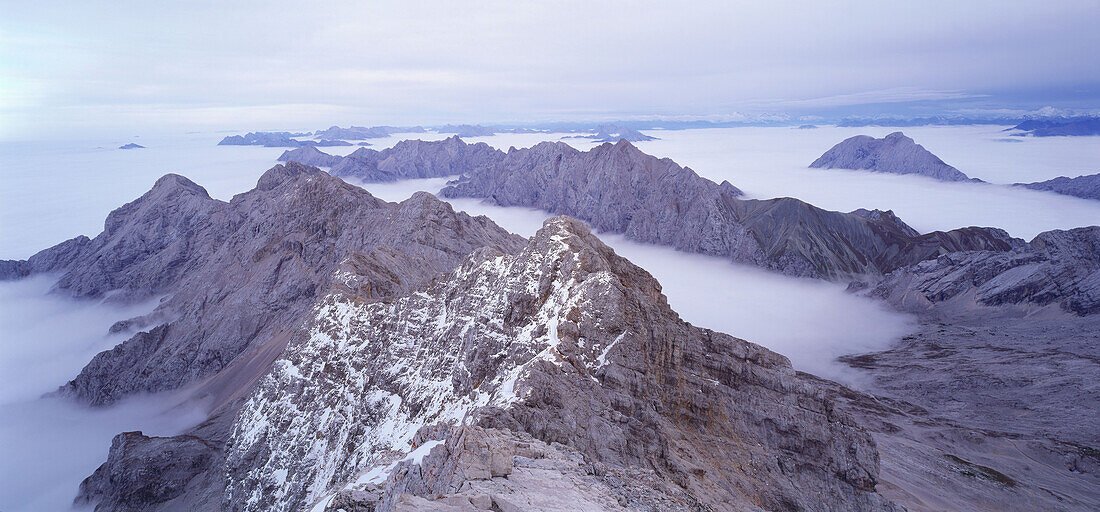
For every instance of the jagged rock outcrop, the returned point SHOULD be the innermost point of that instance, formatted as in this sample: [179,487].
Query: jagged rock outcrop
[412,159]
[142,471]
[894,153]
[309,155]
[1057,267]
[620,189]
[131,146]
[1060,127]
[259,261]
[565,342]
[1085,187]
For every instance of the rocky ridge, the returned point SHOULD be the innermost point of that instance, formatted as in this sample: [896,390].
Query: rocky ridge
[277,140]
[895,153]
[363,132]
[1085,186]
[260,260]
[570,344]
[618,188]
[411,159]
[1059,268]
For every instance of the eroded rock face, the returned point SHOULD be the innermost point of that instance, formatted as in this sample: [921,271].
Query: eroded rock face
[566,342]
[894,153]
[239,274]
[142,471]
[1057,267]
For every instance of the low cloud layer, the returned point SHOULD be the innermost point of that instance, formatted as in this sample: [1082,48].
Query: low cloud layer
[48,445]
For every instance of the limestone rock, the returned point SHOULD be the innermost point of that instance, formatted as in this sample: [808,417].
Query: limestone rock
[894,153]
[568,343]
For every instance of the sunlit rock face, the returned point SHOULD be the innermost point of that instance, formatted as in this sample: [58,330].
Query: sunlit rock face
[565,342]
[894,153]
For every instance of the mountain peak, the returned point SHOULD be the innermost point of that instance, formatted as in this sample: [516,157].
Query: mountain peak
[172,181]
[894,153]
[277,175]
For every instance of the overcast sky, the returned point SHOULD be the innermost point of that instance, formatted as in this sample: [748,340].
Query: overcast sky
[138,66]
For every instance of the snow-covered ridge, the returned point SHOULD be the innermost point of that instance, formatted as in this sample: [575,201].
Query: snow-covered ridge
[369,375]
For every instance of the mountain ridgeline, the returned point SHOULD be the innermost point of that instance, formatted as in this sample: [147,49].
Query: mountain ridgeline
[617,188]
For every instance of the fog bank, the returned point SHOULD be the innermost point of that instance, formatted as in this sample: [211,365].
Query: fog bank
[48,445]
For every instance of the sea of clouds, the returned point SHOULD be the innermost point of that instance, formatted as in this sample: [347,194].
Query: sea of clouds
[57,190]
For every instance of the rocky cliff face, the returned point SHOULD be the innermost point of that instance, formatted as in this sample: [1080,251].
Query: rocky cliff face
[1085,187]
[894,153]
[258,261]
[1057,267]
[567,343]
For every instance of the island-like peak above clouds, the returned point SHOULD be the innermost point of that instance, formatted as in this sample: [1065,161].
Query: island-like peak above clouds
[1085,187]
[894,153]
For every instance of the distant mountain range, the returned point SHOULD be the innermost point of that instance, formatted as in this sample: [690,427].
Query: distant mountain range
[1077,126]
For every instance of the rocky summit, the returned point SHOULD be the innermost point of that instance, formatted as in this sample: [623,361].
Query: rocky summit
[894,153]
[562,365]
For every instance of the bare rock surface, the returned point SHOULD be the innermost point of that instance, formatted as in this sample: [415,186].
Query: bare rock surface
[988,412]
[1059,267]
[565,342]
[1085,187]
[895,153]
[142,472]
[618,188]
[236,261]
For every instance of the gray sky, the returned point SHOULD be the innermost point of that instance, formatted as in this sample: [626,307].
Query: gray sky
[138,66]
